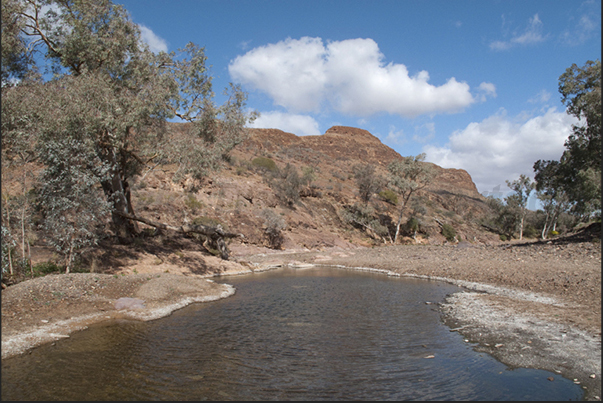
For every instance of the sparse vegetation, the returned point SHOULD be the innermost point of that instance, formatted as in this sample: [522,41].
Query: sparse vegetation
[274,225]
[449,232]
[367,181]
[192,203]
[264,164]
[389,196]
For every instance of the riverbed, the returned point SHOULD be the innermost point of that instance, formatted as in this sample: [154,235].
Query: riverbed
[306,333]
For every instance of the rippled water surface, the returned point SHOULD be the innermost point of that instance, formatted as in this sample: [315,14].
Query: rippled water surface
[310,334]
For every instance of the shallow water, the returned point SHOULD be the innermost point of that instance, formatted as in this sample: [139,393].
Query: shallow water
[312,334]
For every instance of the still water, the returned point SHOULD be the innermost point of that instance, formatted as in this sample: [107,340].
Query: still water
[312,334]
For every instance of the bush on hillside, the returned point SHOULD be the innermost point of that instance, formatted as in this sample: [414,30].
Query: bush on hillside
[264,163]
[448,232]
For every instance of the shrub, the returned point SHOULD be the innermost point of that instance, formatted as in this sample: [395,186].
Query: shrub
[448,232]
[264,163]
[553,233]
[208,221]
[367,181]
[530,232]
[503,238]
[44,268]
[274,225]
[412,225]
[389,196]
[192,203]
[286,184]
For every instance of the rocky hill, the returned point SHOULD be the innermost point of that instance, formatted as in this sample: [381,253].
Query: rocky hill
[243,196]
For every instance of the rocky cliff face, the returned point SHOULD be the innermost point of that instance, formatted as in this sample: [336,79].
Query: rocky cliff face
[353,145]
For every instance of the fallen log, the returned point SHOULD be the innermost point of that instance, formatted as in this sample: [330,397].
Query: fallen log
[215,234]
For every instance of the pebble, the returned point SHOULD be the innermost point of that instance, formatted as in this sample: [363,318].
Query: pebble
[430,356]
[44,321]
[592,376]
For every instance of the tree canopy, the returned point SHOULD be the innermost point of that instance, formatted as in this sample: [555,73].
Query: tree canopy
[406,177]
[577,175]
[96,114]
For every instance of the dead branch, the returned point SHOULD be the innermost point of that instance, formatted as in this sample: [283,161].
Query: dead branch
[215,234]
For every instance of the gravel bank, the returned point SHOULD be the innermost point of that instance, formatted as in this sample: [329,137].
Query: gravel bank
[530,305]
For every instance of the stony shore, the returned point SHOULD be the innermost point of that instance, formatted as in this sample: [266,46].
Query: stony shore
[534,305]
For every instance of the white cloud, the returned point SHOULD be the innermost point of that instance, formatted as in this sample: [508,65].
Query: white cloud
[486,90]
[300,125]
[424,132]
[156,44]
[542,97]
[499,148]
[531,35]
[349,76]
[395,137]
[584,29]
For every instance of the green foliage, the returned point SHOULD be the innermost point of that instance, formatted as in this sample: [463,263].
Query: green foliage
[192,203]
[274,225]
[531,232]
[407,177]
[522,189]
[286,183]
[503,237]
[577,175]
[363,216]
[553,233]
[263,163]
[308,175]
[389,196]
[70,196]
[44,268]
[412,225]
[109,99]
[367,181]
[449,232]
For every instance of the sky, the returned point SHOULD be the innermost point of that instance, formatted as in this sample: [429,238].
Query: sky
[473,84]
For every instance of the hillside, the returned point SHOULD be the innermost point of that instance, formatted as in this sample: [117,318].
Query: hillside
[237,195]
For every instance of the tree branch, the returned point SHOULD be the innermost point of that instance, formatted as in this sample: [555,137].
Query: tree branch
[212,232]
[216,234]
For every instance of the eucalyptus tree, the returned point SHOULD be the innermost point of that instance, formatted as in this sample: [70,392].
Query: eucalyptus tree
[367,180]
[550,191]
[98,116]
[407,177]
[522,189]
[578,172]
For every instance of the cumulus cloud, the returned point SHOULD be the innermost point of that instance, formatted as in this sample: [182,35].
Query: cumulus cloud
[350,76]
[531,35]
[486,90]
[156,44]
[300,125]
[500,148]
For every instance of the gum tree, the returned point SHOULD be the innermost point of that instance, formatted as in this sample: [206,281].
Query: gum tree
[522,189]
[407,177]
[107,97]
[578,172]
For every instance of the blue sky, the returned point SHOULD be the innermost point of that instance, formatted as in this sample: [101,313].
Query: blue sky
[473,84]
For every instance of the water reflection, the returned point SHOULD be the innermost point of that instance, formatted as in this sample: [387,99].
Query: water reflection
[310,334]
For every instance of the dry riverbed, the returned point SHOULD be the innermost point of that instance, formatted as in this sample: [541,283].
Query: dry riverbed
[532,305]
